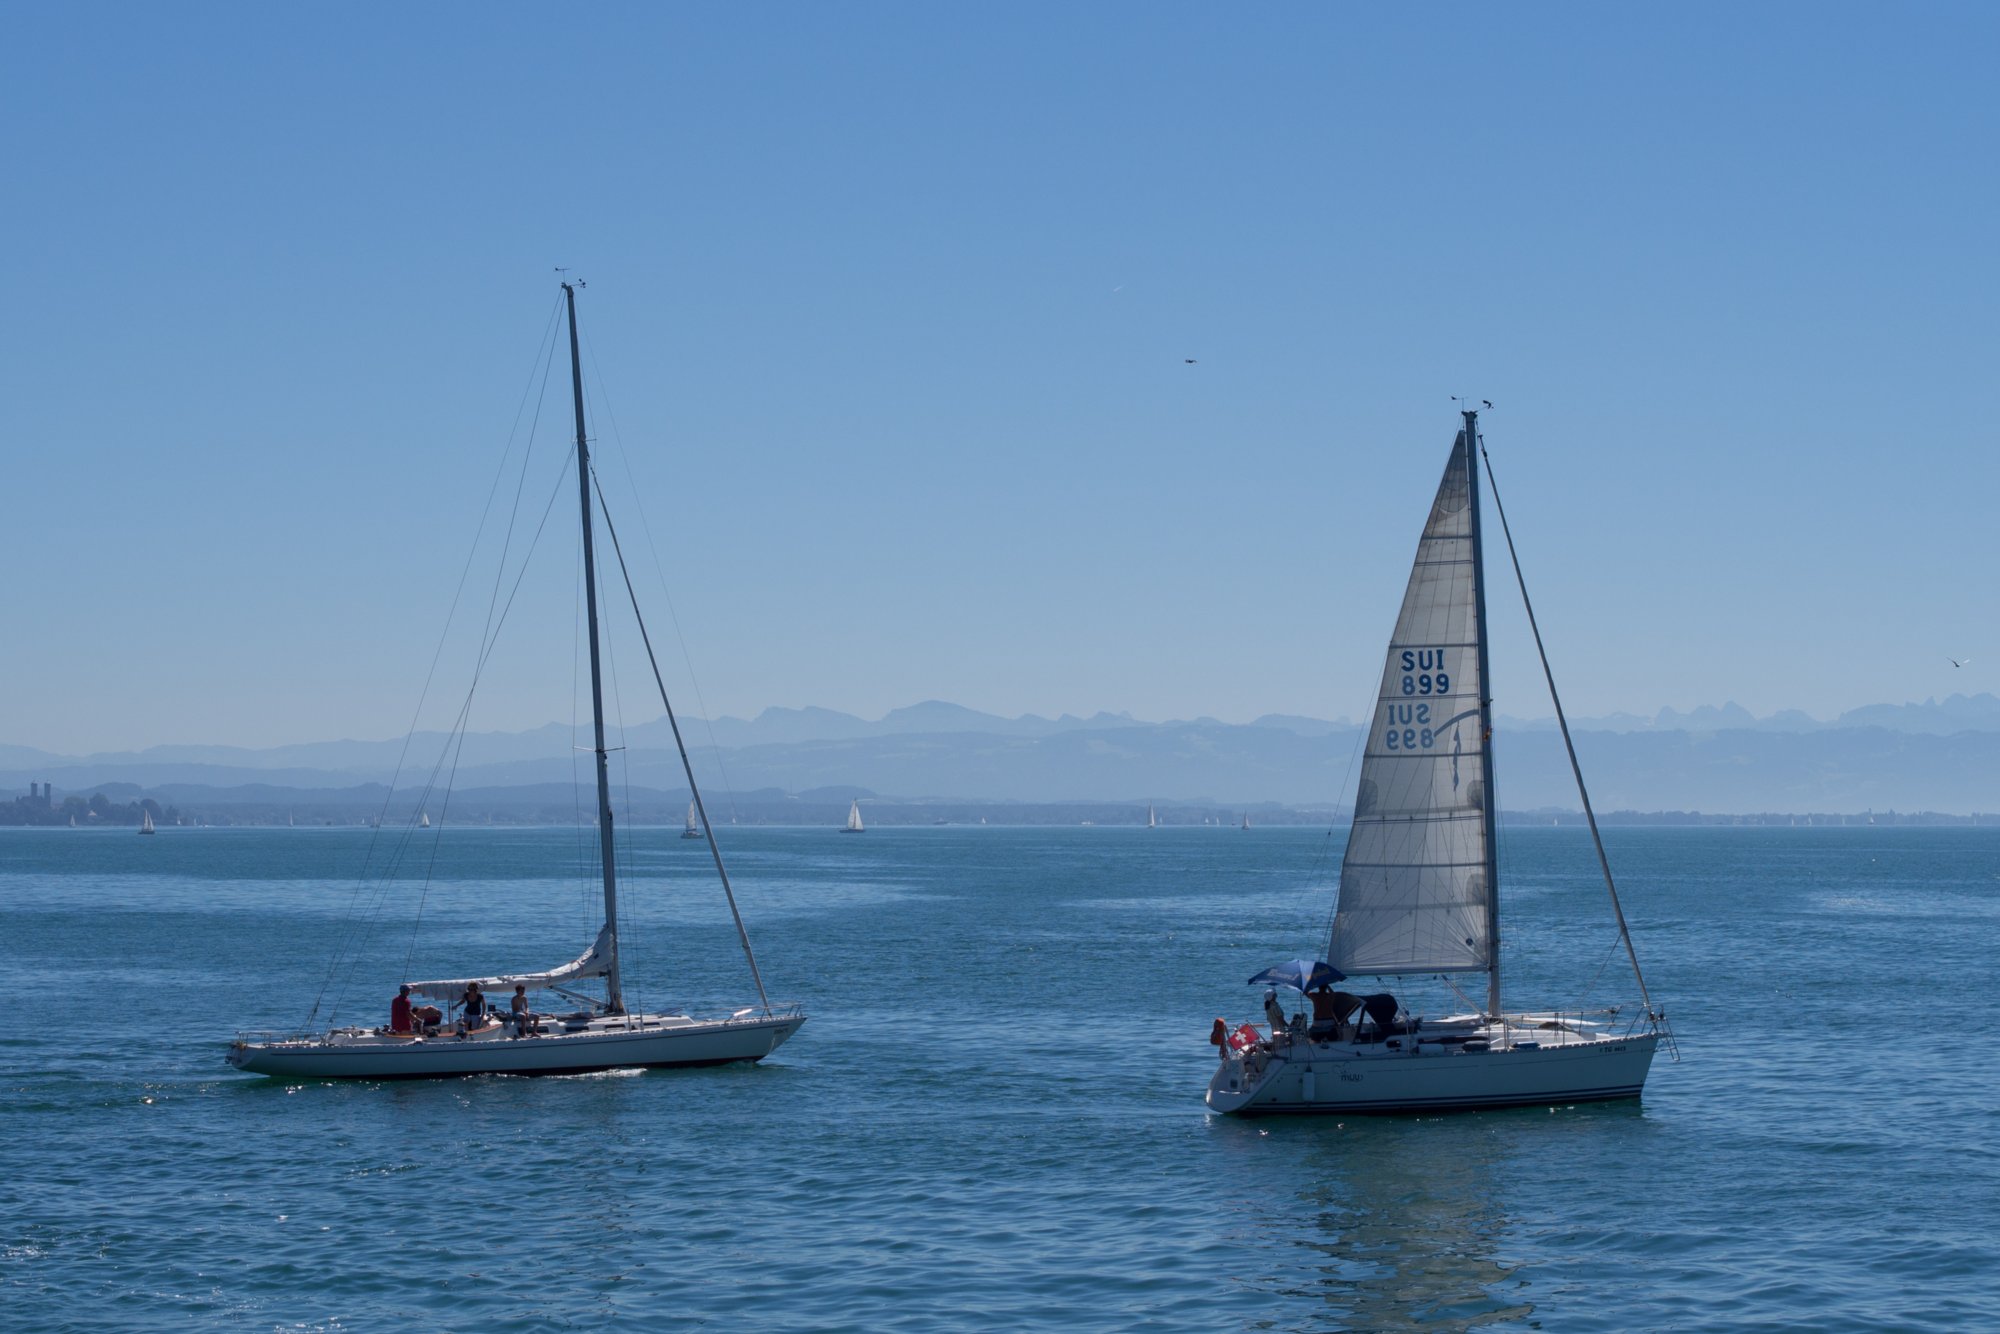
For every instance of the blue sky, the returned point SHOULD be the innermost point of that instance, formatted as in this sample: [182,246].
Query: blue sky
[892,305]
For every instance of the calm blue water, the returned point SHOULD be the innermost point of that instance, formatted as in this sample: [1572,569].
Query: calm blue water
[994,1117]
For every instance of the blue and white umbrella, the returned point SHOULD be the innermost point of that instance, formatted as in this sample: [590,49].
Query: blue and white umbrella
[1300,974]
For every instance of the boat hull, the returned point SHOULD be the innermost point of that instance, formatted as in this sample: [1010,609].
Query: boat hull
[675,1042]
[1319,1078]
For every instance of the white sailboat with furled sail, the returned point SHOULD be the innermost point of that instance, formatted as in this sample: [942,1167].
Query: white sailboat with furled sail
[1419,890]
[693,829]
[853,825]
[596,1032]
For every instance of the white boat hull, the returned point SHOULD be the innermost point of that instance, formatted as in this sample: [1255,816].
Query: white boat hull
[1300,1077]
[606,1044]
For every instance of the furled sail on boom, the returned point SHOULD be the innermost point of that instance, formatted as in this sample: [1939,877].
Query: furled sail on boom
[594,963]
[1414,891]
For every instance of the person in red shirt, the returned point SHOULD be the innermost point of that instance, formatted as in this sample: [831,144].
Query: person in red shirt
[399,1012]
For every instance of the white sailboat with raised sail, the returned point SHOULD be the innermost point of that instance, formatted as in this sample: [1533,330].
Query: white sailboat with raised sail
[1419,888]
[145,822]
[601,1035]
[693,829]
[1152,820]
[853,825]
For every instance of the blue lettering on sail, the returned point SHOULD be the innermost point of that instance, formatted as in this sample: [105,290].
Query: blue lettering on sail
[1408,727]
[1423,672]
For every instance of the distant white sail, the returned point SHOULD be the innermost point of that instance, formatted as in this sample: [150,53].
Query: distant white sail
[1413,885]
[1152,821]
[145,822]
[693,829]
[853,817]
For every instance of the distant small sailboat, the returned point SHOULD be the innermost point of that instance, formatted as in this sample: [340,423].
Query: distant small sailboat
[72,822]
[289,822]
[693,829]
[145,822]
[424,820]
[1152,820]
[854,825]
[1246,819]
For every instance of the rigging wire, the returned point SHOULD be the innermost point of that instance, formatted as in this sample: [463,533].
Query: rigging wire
[1583,792]
[1333,823]
[488,635]
[687,766]
[343,932]
[465,707]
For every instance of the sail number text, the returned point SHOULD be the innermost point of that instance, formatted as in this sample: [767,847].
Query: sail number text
[1423,672]
[1409,725]
[1409,728]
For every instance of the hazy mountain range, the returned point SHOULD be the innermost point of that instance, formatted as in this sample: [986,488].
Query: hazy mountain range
[1937,755]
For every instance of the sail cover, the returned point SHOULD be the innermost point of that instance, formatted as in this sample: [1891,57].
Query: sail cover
[596,962]
[1413,893]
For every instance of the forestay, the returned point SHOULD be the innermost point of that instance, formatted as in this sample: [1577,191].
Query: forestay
[1413,885]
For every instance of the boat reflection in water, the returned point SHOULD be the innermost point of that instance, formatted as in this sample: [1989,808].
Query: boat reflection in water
[1395,1223]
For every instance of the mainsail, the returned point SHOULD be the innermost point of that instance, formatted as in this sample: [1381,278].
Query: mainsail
[1414,885]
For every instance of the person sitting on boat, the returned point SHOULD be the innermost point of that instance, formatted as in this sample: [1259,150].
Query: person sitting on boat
[1330,1011]
[523,1016]
[400,1019]
[475,1008]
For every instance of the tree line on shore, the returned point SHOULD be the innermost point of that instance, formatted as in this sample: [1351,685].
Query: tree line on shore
[96,809]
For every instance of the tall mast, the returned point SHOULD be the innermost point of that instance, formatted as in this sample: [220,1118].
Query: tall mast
[1488,801]
[614,994]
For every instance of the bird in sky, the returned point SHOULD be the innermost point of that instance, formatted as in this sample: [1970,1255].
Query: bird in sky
[1188,360]
[1958,662]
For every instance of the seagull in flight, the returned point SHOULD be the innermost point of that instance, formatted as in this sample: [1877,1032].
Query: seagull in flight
[1958,662]
[1188,360]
